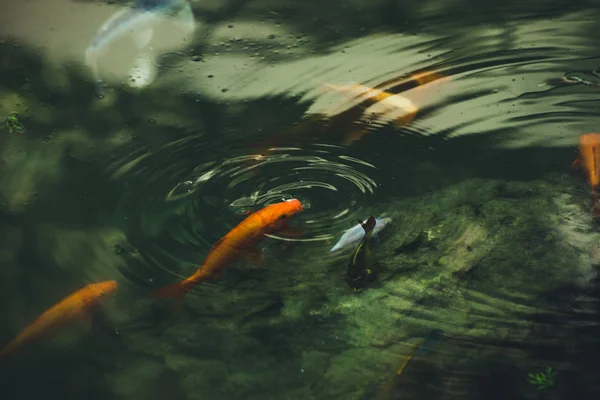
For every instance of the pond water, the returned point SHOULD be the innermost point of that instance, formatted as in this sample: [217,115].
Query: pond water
[139,134]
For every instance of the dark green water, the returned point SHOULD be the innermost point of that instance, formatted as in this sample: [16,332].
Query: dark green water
[491,241]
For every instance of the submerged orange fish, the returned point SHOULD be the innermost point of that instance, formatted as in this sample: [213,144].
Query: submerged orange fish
[77,306]
[379,104]
[589,160]
[240,242]
[364,109]
[379,107]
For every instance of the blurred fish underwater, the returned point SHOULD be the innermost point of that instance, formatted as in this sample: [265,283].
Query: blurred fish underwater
[139,22]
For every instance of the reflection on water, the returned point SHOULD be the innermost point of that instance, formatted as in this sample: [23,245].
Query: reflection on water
[459,127]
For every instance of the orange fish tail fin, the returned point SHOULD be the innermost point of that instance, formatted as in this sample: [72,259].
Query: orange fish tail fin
[176,291]
[10,348]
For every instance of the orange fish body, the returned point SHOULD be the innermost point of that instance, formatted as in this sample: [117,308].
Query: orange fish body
[589,160]
[370,107]
[380,104]
[76,306]
[379,108]
[239,242]
[423,78]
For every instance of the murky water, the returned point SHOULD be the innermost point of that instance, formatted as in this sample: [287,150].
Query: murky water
[458,121]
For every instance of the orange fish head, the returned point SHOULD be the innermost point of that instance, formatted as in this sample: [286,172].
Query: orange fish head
[101,289]
[277,215]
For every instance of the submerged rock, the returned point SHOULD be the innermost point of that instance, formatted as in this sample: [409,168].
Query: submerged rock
[473,260]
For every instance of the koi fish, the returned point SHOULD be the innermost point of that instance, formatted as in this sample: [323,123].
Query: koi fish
[380,105]
[139,21]
[353,236]
[589,160]
[77,306]
[360,267]
[240,242]
[370,107]
[423,78]
[348,121]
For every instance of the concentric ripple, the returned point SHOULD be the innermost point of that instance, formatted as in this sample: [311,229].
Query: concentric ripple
[248,183]
[335,189]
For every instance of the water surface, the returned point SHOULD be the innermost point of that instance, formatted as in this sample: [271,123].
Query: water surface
[491,242]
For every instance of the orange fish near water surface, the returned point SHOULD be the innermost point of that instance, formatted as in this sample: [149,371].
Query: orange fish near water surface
[77,306]
[240,242]
[363,110]
[379,107]
[589,160]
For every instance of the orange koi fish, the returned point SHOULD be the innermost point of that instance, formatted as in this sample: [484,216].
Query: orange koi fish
[423,78]
[364,109]
[240,242]
[379,107]
[379,103]
[382,106]
[347,121]
[589,160]
[77,306]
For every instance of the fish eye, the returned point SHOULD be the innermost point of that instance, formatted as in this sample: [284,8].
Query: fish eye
[282,216]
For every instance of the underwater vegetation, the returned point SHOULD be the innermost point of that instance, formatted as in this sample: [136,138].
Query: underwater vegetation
[543,380]
[13,124]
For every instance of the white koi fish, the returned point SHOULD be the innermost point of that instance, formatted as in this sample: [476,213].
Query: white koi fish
[138,21]
[354,235]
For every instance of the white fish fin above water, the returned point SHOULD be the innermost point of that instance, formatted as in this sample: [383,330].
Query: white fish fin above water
[102,36]
[350,237]
[139,22]
[354,235]
[143,38]
[121,23]
[186,20]
[108,27]
[116,25]
[91,60]
[143,71]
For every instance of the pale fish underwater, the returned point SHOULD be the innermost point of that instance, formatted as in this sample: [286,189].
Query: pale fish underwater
[354,235]
[138,21]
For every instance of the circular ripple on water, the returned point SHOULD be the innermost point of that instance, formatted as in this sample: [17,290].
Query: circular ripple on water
[168,60]
[333,186]
[176,228]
